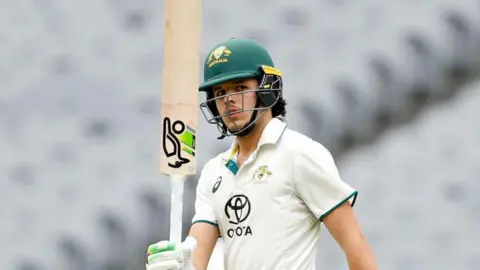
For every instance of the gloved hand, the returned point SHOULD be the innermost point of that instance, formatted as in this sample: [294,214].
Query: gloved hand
[167,255]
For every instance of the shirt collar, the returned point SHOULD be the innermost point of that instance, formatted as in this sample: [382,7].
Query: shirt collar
[271,134]
[273,131]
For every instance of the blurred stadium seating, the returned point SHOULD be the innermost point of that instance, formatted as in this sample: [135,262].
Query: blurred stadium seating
[390,87]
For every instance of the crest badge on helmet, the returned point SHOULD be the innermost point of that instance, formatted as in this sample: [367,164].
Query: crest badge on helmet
[219,55]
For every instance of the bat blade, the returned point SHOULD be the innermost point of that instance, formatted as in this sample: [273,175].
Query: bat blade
[180,79]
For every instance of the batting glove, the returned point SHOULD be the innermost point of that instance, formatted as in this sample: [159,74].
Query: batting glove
[168,255]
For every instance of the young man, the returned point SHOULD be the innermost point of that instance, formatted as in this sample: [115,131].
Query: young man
[267,195]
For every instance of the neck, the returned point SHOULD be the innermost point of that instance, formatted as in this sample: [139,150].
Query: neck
[248,144]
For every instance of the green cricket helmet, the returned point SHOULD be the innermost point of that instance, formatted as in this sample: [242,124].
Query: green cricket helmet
[236,59]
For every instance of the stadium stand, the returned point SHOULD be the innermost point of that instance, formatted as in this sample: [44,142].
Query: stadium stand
[379,83]
[418,183]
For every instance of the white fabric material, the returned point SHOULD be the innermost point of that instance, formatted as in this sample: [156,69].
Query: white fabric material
[268,213]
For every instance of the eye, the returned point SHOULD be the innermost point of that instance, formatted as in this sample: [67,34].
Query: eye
[219,93]
[241,87]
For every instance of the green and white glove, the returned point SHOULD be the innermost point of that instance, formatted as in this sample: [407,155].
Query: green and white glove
[168,255]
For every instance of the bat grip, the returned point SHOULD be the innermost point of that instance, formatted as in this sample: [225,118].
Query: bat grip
[176,208]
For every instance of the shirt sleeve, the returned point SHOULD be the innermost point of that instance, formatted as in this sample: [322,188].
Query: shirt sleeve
[204,207]
[318,182]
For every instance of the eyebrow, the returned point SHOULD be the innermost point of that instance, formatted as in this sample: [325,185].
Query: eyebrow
[239,81]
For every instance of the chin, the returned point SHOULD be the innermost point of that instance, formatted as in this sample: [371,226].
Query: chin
[236,125]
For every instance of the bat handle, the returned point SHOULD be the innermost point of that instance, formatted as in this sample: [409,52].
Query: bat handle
[176,208]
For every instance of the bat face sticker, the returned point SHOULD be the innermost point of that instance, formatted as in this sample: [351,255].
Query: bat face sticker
[178,142]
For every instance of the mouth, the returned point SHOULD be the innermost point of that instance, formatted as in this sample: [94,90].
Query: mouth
[233,111]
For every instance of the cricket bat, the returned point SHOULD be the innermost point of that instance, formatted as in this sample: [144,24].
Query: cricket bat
[180,81]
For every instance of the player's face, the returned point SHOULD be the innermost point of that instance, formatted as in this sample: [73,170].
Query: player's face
[238,99]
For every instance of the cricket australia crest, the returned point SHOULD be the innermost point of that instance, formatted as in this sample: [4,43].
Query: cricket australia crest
[262,173]
[219,55]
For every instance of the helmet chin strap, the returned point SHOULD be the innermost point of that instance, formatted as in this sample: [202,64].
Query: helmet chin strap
[250,126]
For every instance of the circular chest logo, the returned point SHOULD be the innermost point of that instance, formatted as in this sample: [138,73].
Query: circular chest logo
[237,209]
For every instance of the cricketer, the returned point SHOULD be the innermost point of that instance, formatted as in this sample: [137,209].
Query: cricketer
[267,195]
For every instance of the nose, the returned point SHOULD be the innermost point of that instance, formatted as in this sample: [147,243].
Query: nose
[228,98]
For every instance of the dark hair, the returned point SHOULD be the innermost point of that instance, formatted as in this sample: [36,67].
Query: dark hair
[279,108]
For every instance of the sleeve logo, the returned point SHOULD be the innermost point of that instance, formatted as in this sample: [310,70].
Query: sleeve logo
[217,184]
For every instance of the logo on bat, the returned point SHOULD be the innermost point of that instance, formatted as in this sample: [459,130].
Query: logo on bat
[181,139]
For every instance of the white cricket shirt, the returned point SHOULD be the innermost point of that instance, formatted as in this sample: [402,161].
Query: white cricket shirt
[269,210]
